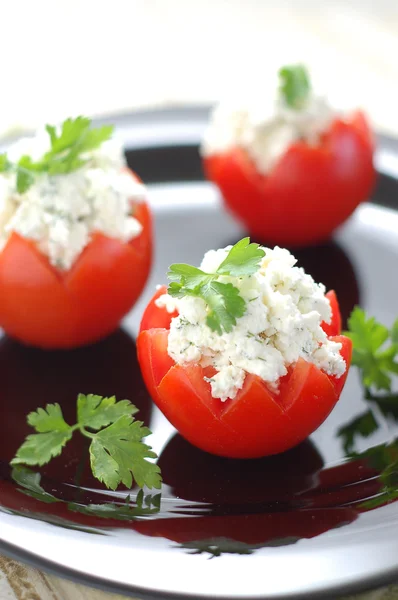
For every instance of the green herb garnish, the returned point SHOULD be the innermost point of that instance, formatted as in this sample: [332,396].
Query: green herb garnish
[295,85]
[117,452]
[67,153]
[376,359]
[223,300]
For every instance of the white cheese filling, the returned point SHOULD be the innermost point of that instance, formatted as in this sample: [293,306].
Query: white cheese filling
[61,212]
[284,312]
[267,129]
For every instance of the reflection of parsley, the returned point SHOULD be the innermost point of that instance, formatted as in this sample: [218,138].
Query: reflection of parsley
[29,483]
[363,425]
[366,423]
[223,301]
[68,151]
[376,360]
[145,504]
[383,458]
[117,452]
[222,545]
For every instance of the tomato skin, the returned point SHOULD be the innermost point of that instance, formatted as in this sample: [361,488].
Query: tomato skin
[155,317]
[153,342]
[44,307]
[310,191]
[257,422]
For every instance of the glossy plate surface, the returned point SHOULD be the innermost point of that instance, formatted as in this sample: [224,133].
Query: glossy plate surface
[319,520]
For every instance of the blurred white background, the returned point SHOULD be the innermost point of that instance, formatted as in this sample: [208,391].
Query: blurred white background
[67,57]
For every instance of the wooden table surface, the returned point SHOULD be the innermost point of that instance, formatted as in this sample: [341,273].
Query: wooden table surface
[139,53]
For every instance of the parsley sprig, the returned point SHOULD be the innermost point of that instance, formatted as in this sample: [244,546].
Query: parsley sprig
[117,452]
[68,151]
[375,349]
[295,85]
[223,300]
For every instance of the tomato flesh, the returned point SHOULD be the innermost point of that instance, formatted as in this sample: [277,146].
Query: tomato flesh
[309,192]
[334,327]
[48,308]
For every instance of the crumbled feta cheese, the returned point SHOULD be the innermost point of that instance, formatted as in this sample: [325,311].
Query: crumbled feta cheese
[266,129]
[167,302]
[282,322]
[61,212]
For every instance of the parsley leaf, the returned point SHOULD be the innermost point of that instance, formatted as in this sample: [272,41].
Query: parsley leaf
[376,361]
[53,433]
[76,138]
[224,305]
[294,85]
[24,179]
[68,151]
[117,452]
[223,300]
[97,412]
[243,259]
[40,448]
[394,332]
[5,164]
[48,419]
[187,277]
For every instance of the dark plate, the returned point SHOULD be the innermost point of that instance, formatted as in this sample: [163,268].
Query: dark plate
[315,521]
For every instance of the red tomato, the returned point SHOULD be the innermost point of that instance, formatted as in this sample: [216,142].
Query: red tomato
[255,423]
[309,192]
[154,316]
[48,308]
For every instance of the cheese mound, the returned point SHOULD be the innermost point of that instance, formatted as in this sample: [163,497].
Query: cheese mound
[61,212]
[266,129]
[282,323]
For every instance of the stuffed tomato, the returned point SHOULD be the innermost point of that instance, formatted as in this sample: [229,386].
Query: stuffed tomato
[291,169]
[244,355]
[75,236]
